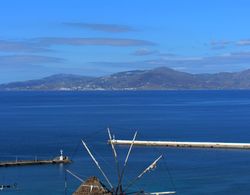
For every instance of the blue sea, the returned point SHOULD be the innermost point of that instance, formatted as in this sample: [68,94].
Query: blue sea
[39,124]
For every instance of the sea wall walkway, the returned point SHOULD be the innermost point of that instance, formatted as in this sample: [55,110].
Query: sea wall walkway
[221,145]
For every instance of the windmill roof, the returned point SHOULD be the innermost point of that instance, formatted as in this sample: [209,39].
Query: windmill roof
[92,186]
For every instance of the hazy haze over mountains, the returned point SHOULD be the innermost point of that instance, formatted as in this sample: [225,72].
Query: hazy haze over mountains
[161,78]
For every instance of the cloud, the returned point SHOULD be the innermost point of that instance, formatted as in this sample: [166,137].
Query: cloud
[111,28]
[224,44]
[144,52]
[117,42]
[21,46]
[228,59]
[220,44]
[37,45]
[42,44]
[168,55]
[218,60]
[245,42]
[20,60]
[203,64]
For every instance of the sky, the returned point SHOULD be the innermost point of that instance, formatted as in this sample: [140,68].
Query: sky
[96,38]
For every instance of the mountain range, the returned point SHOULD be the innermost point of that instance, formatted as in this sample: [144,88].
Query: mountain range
[161,78]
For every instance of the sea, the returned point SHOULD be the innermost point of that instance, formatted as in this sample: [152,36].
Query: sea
[37,125]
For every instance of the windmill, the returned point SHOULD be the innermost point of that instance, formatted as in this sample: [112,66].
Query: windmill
[93,186]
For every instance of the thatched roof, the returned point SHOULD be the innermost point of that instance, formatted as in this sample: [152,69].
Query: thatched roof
[92,187]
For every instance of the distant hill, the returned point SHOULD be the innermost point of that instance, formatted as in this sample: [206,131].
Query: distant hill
[161,78]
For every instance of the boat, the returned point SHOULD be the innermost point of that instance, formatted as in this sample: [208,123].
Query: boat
[94,186]
[8,186]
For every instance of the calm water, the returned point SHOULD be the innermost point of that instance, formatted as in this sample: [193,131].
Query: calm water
[41,123]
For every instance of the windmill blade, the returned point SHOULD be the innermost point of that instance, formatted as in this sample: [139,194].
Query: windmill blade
[75,176]
[112,145]
[97,164]
[130,148]
[115,154]
[149,168]
[116,160]
[126,159]
[81,180]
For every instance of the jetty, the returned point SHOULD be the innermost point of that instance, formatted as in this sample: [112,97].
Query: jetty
[177,144]
[57,160]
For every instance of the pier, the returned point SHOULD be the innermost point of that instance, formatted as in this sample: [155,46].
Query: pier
[57,160]
[177,144]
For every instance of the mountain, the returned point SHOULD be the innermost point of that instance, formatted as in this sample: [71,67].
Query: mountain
[161,78]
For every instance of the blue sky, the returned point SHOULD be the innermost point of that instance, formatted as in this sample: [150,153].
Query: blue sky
[94,37]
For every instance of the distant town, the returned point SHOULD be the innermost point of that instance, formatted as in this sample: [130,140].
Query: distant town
[161,78]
